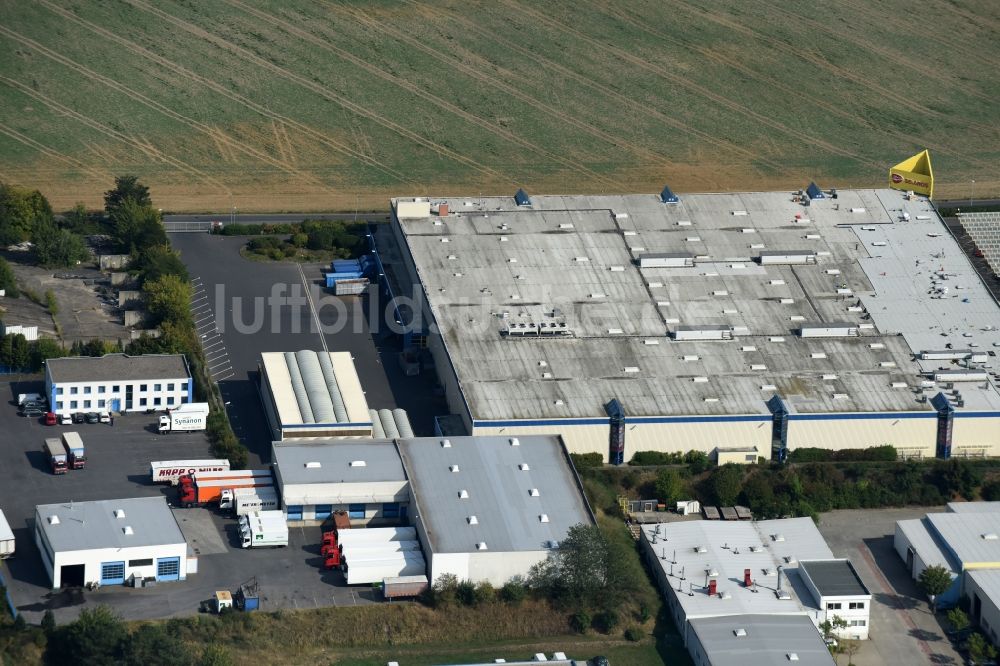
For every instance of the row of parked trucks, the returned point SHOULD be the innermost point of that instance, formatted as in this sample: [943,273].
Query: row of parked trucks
[65,452]
[387,555]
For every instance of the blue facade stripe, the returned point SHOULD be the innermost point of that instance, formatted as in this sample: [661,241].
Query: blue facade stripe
[327,425]
[190,389]
[977,415]
[749,418]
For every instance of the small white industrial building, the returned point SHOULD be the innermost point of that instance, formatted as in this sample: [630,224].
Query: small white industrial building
[488,508]
[365,478]
[747,575]
[965,540]
[313,394]
[838,591]
[111,542]
[117,383]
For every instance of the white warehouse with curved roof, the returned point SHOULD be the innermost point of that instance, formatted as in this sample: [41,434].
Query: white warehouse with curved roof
[313,394]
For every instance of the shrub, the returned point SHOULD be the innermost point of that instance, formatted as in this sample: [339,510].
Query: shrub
[606,621]
[465,592]
[580,621]
[587,460]
[634,634]
[443,592]
[513,591]
[485,593]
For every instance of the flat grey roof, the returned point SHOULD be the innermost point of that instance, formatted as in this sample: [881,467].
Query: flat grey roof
[769,640]
[92,525]
[334,456]
[499,492]
[834,578]
[974,507]
[972,538]
[117,366]
[502,264]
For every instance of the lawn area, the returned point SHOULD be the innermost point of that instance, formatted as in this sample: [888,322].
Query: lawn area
[305,105]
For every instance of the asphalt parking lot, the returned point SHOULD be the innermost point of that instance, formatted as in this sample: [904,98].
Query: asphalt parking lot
[118,460]
[903,630]
[226,283]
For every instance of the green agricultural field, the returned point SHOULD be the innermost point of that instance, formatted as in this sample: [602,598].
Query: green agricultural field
[319,104]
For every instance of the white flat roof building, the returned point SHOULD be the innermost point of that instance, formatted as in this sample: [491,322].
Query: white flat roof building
[313,394]
[757,640]
[807,319]
[110,541]
[365,478]
[488,508]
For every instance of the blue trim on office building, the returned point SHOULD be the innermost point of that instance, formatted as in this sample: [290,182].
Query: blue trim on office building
[190,389]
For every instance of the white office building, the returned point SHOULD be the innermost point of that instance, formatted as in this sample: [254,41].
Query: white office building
[111,542]
[838,591]
[117,383]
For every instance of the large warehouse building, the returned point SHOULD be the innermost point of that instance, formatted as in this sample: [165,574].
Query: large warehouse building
[117,383]
[313,394]
[111,542]
[488,508]
[758,321]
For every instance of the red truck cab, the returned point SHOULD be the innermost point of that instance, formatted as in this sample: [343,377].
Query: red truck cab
[331,560]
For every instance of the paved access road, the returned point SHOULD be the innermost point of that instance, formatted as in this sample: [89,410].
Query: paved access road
[903,630]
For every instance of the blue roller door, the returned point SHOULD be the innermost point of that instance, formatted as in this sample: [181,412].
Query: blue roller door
[168,568]
[294,512]
[323,511]
[112,573]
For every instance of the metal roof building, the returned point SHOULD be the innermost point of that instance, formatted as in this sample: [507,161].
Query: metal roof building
[313,394]
[760,640]
[364,478]
[488,508]
[538,317]
[110,541]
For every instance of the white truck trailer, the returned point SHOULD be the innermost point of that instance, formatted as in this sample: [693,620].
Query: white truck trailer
[264,529]
[391,565]
[170,471]
[376,535]
[6,538]
[246,500]
[188,417]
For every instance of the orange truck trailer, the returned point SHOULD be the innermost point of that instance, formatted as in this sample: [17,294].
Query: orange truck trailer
[206,487]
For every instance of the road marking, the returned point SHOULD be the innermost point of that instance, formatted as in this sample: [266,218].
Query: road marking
[214,344]
[312,308]
[220,379]
[203,298]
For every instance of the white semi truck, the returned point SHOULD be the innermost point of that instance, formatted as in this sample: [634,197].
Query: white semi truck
[171,471]
[188,417]
[264,529]
[6,538]
[246,500]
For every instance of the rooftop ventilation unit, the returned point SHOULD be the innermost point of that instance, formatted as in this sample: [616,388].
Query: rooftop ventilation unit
[829,378]
[473,520]
[990,536]
[700,549]
[786,257]
[463,494]
[740,633]
[514,441]
[533,492]
[127,530]
[792,656]
[452,468]
[445,443]
[53,520]
[700,380]
[543,518]
[630,369]
[120,513]
[777,537]
[524,467]
[358,463]
[707,332]
[481,546]
[840,329]
[312,465]
[666,260]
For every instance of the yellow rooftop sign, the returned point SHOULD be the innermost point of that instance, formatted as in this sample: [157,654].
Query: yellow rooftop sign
[914,173]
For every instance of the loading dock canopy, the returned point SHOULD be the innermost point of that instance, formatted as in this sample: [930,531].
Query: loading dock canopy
[814,192]
[666,196]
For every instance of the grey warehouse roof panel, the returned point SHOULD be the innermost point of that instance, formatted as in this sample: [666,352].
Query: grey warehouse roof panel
[768,640]
[499,492]
[92,525]
[574,260]
[297,463]
[834,578]
[122,367]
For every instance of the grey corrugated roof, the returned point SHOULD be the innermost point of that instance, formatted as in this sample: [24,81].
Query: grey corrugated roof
[122,367]
[499,492]
[964,535]
[834,578]
[506,265]
[769,640]
[92,525]
[381,459]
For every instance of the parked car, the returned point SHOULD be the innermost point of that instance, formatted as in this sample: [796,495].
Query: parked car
[78,417]
[65,419]
[105,417]
[92,417]
[51,419]
[32,410]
